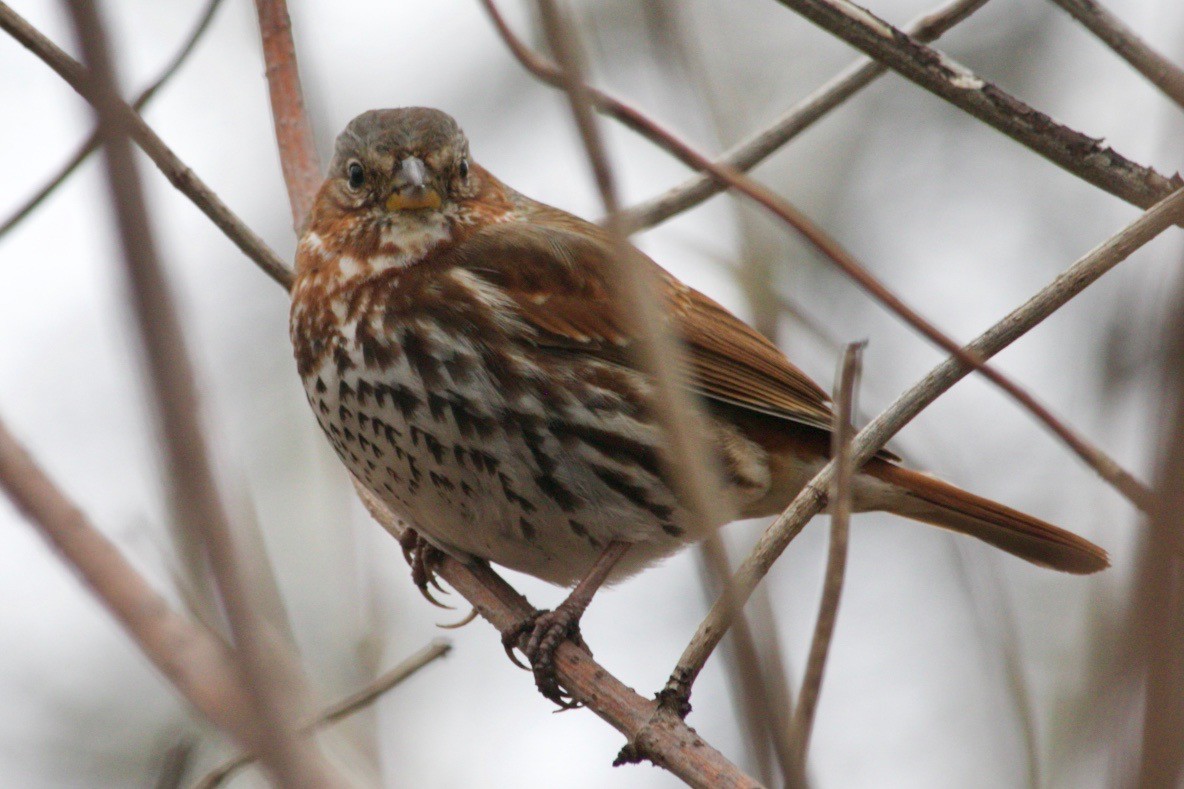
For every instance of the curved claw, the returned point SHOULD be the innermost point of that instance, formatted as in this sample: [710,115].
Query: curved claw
[469,617]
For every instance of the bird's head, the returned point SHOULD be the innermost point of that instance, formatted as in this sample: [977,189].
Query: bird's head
[410,159]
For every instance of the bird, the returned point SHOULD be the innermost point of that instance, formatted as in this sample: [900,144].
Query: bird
[461,348]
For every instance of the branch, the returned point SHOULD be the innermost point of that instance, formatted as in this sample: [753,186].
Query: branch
[943,76]
[1105,466]
[1158,605]
[190,657]
[662,737]
[836,557]
[91,143]
[293,763]
[759,146]
[355,702]
[293,132]
[1160,71]
[178,174]
[872,438]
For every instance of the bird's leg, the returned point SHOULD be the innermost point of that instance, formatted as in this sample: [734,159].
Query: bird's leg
[540,634]
[424,559]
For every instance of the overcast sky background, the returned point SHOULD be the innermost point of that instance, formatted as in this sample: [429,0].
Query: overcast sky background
[961,221]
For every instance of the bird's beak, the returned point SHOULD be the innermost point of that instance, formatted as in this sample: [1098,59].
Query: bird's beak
[412,192]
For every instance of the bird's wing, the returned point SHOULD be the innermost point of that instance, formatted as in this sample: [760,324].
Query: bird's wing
[555,273]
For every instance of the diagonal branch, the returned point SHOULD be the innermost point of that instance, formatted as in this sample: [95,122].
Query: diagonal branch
[812,498]
[178,174]
[664,738]
[91,144]
[757,147]
[1085,157]
[1161,72]
[189,656]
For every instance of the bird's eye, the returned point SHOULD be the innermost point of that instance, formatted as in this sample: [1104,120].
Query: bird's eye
[463,168]
[357,176]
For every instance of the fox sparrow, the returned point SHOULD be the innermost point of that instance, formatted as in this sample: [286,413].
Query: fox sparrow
[460,349]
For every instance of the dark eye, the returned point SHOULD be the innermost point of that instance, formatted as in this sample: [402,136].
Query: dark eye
[357,176]
[463,168]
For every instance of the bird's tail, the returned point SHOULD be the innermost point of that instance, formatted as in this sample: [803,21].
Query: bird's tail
[929,500]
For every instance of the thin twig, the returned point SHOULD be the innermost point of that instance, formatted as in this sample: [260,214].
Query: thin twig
[190,657]
[91,144]
[293,132]
[1103,464]
[292,762]
[669,742]
[937,72]
[836,557]
[355,702]
[178,174]
[756,148]
[810,500]
[1126,43]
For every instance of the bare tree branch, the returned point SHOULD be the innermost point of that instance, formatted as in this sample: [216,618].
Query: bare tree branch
[757,147]
[91,144]
[809,502]
[836,557]
[943,76]
[1103,464]
[293,132]
[355,702]
[190,657]
[664,739]
[178,174]
[1161,72]
[293,762]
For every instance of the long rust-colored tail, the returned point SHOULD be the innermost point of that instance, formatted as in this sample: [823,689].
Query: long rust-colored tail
[932,501]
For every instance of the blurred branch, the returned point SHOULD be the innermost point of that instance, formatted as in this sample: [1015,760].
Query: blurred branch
[762,695]
[1159,598]
[836,557]
[178,174]
[1160,71]
[810,500]
[92,142]
[666,740]
[1105,466]
[293,132]
[292,762]
[943,76]
[355,702]
[636,295]
[190,657]
[759,146]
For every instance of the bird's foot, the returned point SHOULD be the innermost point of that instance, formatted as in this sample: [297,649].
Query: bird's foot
[424,559]
[537,637]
